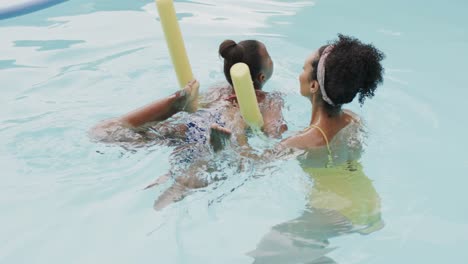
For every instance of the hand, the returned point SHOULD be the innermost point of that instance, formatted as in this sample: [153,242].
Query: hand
[191,94]
[219,137]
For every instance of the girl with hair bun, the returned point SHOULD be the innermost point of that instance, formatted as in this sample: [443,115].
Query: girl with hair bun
[219,104]
[190,132]
[251,52]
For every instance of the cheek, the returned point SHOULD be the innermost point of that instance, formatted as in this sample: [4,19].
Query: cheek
[302,84]
[272,69]
[302,78]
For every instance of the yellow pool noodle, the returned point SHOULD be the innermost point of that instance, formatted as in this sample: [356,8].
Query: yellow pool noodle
[245,93]
[174,41]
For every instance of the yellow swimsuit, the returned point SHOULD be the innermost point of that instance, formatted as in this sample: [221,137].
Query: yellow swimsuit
[346,189]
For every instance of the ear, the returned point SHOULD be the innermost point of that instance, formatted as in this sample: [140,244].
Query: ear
[261,77]
[314,87]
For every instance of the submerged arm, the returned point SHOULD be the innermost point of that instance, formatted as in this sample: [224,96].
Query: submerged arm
[219,139]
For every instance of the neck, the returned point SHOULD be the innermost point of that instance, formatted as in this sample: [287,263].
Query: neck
[323,117]
[258,93]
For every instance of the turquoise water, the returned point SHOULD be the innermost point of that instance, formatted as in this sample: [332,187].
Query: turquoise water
[65,199]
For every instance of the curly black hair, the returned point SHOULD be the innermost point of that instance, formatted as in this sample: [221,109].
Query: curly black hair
[351,68]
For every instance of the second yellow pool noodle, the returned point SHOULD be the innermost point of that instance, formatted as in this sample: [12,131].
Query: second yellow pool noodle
[245,93]
[174,41]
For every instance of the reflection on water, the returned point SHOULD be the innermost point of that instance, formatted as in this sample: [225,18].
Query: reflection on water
[44,45]
[342,201]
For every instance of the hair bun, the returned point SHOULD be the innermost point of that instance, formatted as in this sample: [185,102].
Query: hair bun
[230,50]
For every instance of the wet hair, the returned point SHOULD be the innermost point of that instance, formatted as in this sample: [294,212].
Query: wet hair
[248,52]
[352,68]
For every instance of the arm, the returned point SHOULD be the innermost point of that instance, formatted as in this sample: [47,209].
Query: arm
[219,138]
[274,124]
[156,111]
[184,100]
[117,129]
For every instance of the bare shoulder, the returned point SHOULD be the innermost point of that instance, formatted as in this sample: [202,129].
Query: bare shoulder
[274,99]
[353,117]
[311,139]
[214,94]
[272,102]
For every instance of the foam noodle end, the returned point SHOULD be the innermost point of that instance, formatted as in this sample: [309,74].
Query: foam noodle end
[245,93]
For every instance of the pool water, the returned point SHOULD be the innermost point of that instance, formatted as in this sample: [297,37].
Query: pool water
[66,199]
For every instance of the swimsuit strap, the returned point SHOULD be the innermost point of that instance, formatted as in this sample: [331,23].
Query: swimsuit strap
[330,157]
[324,136]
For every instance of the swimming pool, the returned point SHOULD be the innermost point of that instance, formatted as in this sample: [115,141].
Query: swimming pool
[65,199]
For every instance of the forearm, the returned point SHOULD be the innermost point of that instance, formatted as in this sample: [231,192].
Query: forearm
[157,111]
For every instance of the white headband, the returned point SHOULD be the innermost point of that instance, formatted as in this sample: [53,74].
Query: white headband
[321,74]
